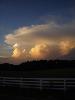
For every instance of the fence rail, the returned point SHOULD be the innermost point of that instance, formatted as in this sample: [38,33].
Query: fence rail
[41,83]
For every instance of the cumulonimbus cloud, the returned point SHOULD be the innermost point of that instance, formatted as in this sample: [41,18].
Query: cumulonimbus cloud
[42,40]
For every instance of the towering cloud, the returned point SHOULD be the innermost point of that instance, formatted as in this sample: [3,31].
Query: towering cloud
[18,52]
[40,51]
[42,41]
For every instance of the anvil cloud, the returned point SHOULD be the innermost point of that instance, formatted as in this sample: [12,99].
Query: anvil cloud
[44,41]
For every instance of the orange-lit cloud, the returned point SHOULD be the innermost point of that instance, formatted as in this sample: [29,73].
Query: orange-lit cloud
[40,51]
[18,52]
[66,46]
[45,41]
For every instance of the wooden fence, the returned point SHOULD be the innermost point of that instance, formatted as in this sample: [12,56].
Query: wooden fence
[39,83]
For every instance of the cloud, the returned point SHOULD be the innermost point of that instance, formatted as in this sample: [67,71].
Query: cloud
[44,41]
[70,55]
[50,30]
[40,51]
[66,46]
[5,51]
[18,52]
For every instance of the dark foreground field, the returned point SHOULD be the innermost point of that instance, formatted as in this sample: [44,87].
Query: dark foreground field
[29,94]
[9,93]
[46,69]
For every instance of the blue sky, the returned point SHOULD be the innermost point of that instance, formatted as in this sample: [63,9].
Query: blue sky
[17,13]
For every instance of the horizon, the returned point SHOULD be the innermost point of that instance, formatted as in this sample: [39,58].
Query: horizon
[13,62]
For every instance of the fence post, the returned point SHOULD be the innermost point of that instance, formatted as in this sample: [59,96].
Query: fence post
[40,84]
[64,85]
[21,83]
[3,82]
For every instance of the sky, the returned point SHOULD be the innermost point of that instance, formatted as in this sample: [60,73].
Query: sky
[37,29]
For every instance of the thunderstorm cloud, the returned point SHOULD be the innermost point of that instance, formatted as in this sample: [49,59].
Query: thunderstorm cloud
[44,41]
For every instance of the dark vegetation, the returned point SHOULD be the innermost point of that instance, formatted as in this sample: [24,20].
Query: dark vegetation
[39,65]
[42,68]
